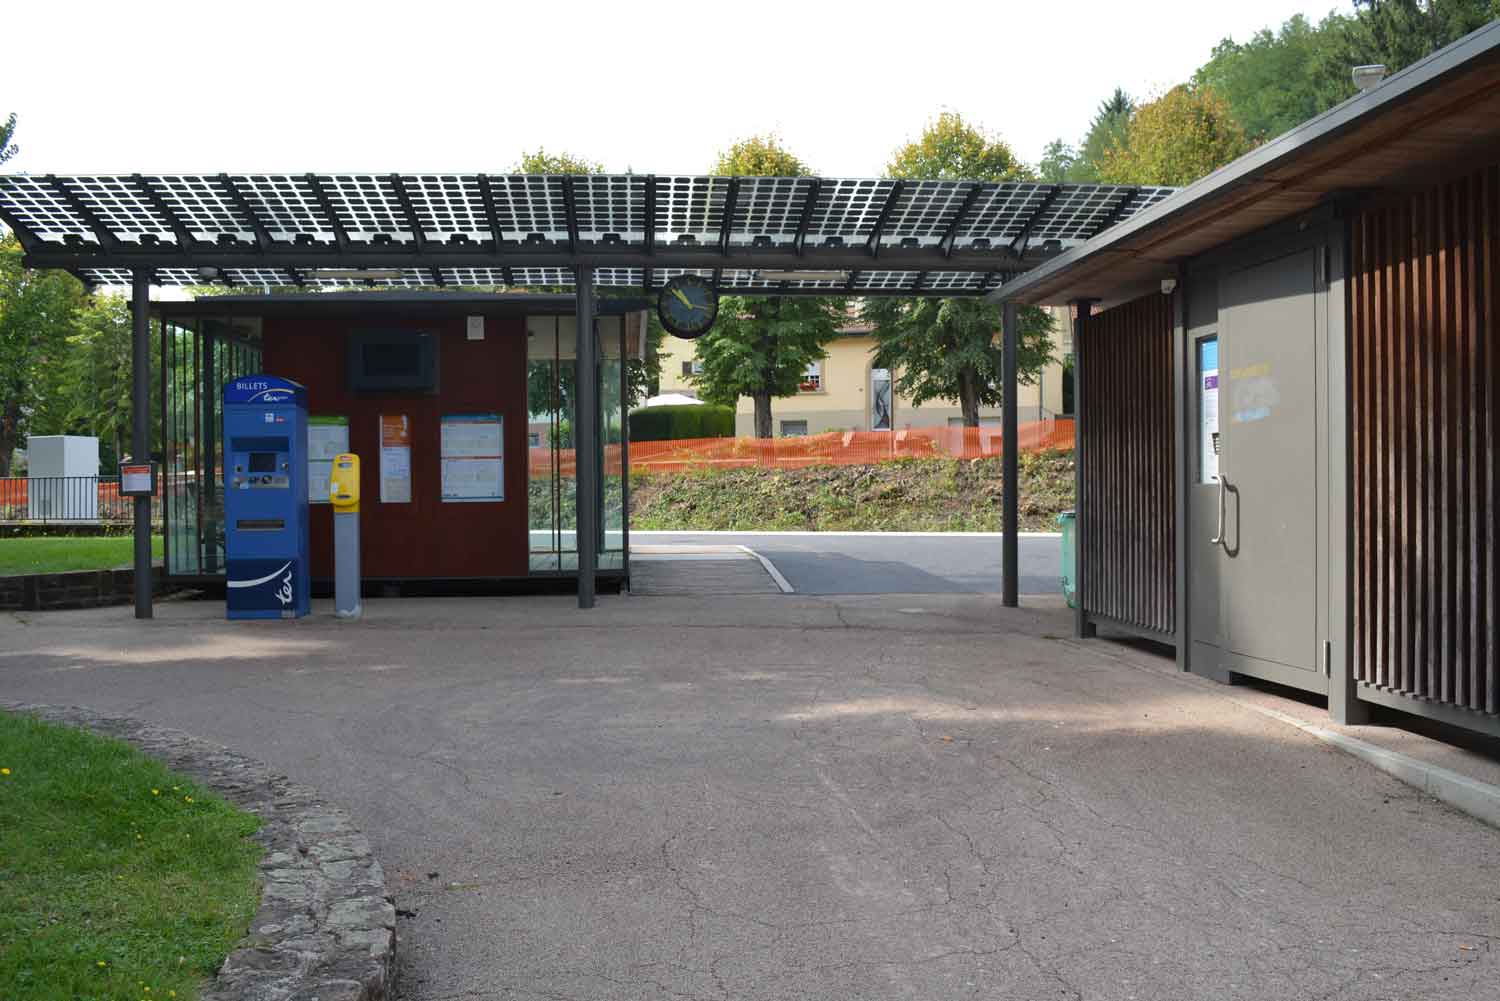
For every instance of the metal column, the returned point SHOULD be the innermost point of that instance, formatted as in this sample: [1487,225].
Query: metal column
[1083,627]
[140,428]
[586,438]
[1010,472]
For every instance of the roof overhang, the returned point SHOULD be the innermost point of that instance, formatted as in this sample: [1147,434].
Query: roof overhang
[878,236]
[415,303]
[1442,112]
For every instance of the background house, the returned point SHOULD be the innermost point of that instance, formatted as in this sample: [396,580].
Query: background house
[845,392]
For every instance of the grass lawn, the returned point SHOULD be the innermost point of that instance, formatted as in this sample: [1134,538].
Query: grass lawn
[118,879]
[54,555]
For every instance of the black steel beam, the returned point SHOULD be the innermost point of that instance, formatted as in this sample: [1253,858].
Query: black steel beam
[27,238]
[179,229]
[487,197]
[437,277]
[410,212]
[140,429]
[950,235]
[718,276]
[805,218]
[1115,213]
[1023,238]
[293,275]
[650,239]
[101,232]
[340,236]
[571,210]
[239,201]
[508,278]
[851,281]
[873,243]
[646,277]
[1009,462]
[731,199]
[586,437]
[53,255]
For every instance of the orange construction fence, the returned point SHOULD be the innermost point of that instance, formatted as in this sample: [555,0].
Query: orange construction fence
[834,448]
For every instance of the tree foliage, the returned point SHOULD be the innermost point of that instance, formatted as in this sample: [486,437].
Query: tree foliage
[38,312]
[945,349]
[1109,128]
[8,148]
[1176,139]
[543,162]
[760,347]
[759,156]
[951,148]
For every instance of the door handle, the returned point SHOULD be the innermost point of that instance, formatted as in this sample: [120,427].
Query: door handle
[1218,539]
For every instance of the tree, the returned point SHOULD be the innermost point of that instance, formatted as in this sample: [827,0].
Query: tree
[1184,134]
[951,148]
[760,347]
[543,162]
[1109,127]
[1268,81]
[759,156]
[1058,160]
[38,310]
[946,348]
[8,149]
[94,395]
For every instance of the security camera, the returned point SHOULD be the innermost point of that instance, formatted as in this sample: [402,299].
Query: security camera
[1168,286]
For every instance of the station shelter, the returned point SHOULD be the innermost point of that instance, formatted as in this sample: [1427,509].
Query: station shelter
[1287,382]
[494,273]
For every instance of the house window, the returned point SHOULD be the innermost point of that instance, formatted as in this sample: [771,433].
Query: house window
[812,379]
[690,368]
[794,429]
[534,439]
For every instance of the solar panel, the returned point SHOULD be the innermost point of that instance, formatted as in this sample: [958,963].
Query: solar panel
[516,230]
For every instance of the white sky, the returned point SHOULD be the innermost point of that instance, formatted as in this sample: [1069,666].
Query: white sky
[170,87]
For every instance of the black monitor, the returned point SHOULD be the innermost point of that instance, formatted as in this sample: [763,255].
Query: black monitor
[385,361]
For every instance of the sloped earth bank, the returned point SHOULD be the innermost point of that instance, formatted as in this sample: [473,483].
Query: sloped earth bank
[906,495]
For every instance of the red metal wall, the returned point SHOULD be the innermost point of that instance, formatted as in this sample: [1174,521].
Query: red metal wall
[1424,396]
[425,538]
[1127,499]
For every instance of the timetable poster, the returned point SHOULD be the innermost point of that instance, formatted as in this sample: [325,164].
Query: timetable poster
[473,457]
[395,459]
[327,438]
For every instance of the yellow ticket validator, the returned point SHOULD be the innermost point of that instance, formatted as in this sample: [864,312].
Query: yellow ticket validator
[343,482]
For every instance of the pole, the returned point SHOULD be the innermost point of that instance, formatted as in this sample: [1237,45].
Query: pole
[1081,624]
[585,438]
[1010,471]
[140,428]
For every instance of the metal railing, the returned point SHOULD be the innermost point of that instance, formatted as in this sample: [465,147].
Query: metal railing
[68,500]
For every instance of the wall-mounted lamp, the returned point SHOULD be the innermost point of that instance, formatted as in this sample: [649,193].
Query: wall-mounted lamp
[1367,78]
[1168,286]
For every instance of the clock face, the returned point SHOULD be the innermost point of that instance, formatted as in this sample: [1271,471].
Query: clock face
[687,306]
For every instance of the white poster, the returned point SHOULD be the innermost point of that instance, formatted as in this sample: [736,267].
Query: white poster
[326,437]
[395,459]
[473,457]
[1208,410]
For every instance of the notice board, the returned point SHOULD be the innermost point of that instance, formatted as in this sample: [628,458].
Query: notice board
[395,459]
[326,437]
[473,457]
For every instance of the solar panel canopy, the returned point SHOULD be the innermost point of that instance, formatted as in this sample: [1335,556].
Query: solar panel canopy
[862,236]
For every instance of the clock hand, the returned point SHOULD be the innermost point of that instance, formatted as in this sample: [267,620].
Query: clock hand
[681,295]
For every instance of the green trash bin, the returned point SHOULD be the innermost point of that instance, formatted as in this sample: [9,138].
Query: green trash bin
[1069,558]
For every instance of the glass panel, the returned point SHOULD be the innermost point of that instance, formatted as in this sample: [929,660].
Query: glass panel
[880,399]
[551,484]
[611,437]
[1208,410]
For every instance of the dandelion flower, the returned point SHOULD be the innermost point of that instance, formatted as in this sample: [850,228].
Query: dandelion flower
[188,798]
[4,771]
[156,792]
[101,962]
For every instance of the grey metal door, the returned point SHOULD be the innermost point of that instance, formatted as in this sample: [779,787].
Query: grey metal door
[1264,558]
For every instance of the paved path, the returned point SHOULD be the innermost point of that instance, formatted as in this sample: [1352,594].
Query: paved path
[890,563]
[774,797]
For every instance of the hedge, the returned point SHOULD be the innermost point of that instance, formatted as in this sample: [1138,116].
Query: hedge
[685,420]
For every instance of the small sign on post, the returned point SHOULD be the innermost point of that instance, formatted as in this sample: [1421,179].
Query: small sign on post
[137,479]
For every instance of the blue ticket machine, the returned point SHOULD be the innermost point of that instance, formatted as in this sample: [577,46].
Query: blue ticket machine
[265,497]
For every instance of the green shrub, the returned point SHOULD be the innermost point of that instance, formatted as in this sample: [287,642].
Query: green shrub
[687,420]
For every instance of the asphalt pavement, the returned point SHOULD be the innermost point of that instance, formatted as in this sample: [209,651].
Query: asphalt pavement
[787,796]
[890,562]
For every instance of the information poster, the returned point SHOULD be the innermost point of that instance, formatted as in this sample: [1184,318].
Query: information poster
[1208,410]
[326,438]
[395,459]
[473,457]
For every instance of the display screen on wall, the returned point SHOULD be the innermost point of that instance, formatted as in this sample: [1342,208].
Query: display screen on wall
[392,361]
[327,437]
[1208,410]
[473,457]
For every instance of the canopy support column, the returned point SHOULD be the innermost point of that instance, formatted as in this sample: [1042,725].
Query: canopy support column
[1082,626]
[586,437]
[1010,470]
[140,428]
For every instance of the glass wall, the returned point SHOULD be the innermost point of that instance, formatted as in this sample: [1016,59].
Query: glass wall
[199,355]
[552,494]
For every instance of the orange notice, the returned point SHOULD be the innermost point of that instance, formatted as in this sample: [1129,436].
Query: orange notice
[395,459]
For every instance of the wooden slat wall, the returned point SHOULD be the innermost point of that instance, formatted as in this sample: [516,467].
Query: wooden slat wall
[1127,507]
[1424,396]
